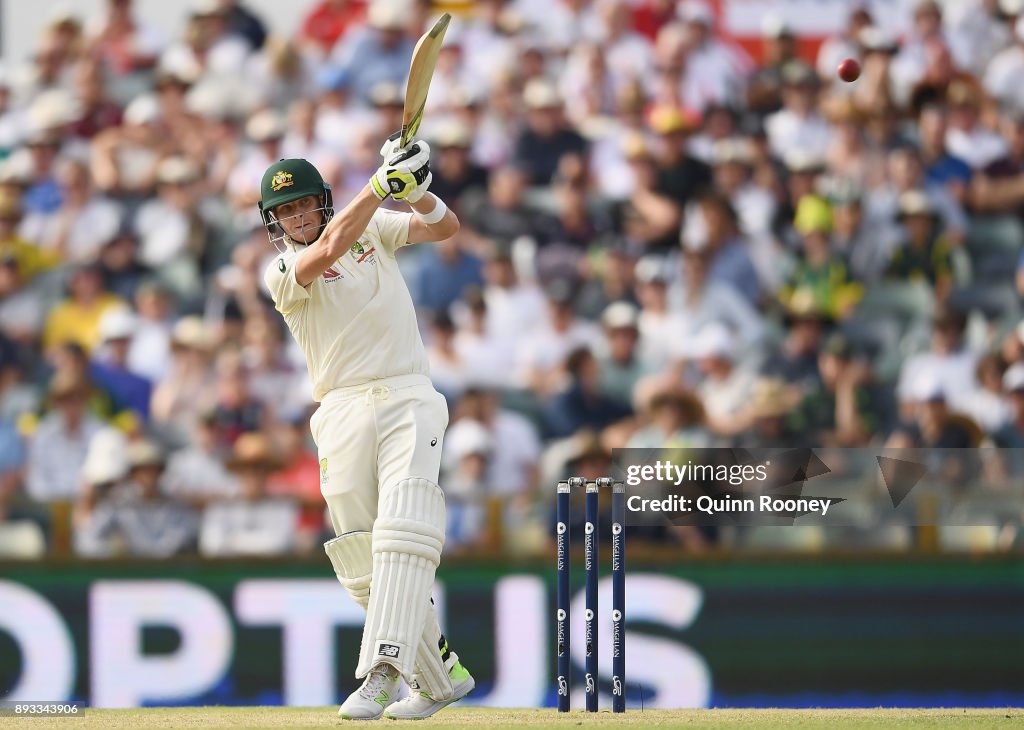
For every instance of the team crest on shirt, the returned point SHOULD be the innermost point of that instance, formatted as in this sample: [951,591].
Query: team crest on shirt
[360,253]
[280,180]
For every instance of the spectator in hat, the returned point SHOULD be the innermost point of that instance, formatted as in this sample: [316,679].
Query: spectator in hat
[724,386]
[135,518]
[265,130]
[207,45]
[778,43]
[118,261]
[185,390]
[328,22]
[171,228]
[150,352]
[905,173]
[681,176]
[452,166]
[925,255]
[1000,78]
[547,140]
[124,159]
[466,486]
[647,217]
[503,213]
[581,404]
[109,370]
[941,167]
[481,351]
[659,325]
[513,470]
[77,318]
[866,244]
[732,162]
[235,409]
[698,301]
[712,226]
[947,363]
[67,430]
[675,420]
[911,63]
[767,418]
[843,410]
[721,67]
[609,278]
[542,351]
[795,360]
[447,369]
[820,273]
[77,230]
[798,125]
[618,357]
[850,155]
[196,473]
[565,235]
[990,407]
[384,39]
[968,136]
[254,523]
[43,193]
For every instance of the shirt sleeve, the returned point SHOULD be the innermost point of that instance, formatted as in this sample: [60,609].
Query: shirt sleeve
[392,228]
[287,293]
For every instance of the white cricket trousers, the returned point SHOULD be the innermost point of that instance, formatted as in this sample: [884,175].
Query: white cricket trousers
[370,437]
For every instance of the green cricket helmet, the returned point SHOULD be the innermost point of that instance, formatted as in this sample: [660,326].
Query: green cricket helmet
[288,180]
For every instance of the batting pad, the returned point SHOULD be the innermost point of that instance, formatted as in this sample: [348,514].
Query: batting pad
[352,558]
[353,563]
[407,540]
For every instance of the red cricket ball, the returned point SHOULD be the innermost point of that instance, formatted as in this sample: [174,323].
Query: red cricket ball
[849,70]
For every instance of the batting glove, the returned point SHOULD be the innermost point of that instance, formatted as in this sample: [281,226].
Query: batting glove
[402,173]
[417,193]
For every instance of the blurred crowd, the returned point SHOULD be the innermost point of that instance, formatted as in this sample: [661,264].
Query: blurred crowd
[667,240]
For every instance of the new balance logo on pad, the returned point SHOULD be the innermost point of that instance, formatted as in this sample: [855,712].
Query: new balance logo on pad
[388,650]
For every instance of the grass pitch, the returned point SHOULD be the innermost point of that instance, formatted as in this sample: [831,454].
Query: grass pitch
[494,719]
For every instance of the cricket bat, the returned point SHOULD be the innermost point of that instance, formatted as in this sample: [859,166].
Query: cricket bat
[421,69]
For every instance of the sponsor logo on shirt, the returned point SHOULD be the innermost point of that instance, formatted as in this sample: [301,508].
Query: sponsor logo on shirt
[332,274]
[323,471]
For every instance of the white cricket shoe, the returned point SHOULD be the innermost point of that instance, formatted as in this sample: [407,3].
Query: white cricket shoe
[420,705]
[380,688]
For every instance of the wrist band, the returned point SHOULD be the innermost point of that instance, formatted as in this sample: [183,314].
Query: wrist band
[435,215]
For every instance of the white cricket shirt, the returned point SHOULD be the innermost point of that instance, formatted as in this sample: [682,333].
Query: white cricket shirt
[356,321]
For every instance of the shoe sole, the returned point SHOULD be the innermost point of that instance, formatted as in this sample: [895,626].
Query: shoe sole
[463,689]
[356,719]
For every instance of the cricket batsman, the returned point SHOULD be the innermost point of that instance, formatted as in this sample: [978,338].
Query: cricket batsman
[380,423]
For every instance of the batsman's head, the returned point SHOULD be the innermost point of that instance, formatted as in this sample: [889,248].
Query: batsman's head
[295,202]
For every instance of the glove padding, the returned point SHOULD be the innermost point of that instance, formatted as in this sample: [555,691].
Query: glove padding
[402,173]
[390,147]
[417,193]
